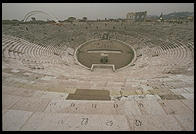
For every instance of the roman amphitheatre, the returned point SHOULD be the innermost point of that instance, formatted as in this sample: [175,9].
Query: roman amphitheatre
[81,76]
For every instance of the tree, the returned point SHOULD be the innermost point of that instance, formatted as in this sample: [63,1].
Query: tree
[71,19]
[84,18]
[33,19]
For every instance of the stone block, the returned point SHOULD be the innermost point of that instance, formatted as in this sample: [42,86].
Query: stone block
[75,122]
[150,107]
[85,107]
[8,101]
[131,108]
[14,119]
[31,104]
[175,107]
[189,103]
[155,123]
[186,120]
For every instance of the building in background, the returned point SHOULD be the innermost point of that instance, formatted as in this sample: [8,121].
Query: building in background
[136,16]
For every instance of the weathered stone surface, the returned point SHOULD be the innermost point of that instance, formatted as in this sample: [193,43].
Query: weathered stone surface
[150,107]
[132,108]
[31,104]
[14,119]
[175,107]
[18,91]
[186,120]
[156,123]
[85,107]
[76,122]
[189,103]
[188,96]
[8,100]
[50,95]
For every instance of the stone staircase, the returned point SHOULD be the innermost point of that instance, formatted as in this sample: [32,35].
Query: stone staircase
[29,109]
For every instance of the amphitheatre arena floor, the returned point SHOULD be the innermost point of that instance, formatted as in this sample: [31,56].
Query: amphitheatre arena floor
[44,87]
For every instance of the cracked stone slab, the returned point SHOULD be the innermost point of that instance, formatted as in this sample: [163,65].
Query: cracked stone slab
[189,103]
[18,91]
[131,108]
[147,97]
[75,122]
[85,107]
[9,100]
[186,120]
[51,95]
[189,90]
[179,91]
[150,107]
[188,96]
[155,123]
[31,104]
[14,119]
[175,107]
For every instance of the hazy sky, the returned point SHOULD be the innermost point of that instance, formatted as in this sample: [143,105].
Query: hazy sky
[90,10]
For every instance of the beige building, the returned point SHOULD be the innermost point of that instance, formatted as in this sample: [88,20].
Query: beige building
[136,16]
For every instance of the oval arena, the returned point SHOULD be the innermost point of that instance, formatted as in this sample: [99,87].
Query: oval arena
[117,53]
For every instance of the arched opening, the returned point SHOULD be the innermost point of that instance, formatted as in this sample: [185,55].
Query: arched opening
[29,14]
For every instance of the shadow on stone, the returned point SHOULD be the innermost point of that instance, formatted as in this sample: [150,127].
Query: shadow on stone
[89,94]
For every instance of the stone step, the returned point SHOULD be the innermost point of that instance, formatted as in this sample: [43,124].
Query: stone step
[75,122]
[42,121]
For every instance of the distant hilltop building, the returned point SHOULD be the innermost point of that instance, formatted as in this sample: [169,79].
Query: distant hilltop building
[136,16]
[190,18]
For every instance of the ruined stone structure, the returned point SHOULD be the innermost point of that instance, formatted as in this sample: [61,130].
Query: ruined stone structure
[137,16]
[29,14]
[44,88]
